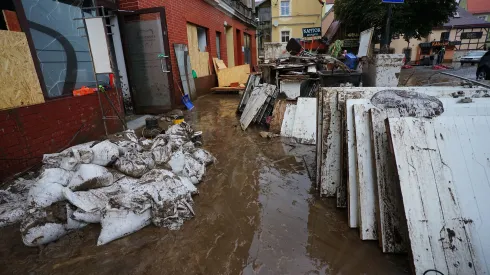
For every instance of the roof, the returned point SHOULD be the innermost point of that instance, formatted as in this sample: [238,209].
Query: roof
[478,6]
[466,19]
[257,4]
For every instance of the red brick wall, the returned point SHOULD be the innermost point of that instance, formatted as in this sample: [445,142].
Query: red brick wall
[198,12]
[27,133]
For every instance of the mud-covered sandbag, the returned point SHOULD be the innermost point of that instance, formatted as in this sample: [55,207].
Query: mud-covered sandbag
[86,217]
[11,213]
[183,129]
[44,225]
[161,154]
[56,175]
[71,223]
[135,164]
[117,223]
[83,155]
[90,176]
[55,160]
[88,201]
[189,185]
[183,164]
[203,156]
[105,152]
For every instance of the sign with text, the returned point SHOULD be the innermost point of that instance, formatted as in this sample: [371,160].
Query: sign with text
[393,1]
[310,32]
[471,35]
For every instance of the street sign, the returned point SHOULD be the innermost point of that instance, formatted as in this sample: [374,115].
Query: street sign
[393,1]
[309,32]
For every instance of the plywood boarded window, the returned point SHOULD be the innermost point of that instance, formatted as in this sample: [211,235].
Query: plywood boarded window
[198,49]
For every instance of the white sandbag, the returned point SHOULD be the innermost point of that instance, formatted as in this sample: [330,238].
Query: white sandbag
[126,146]
[83,155]
[56,175]
[71,223]
[69,163]
[135,164]
[44,193]
[117,223]
[43,234]
[203,156]
[11,213]
[177,162]
[55,160]
[88,201]
[183,164]
[86,217]
[105,152]
[90,176]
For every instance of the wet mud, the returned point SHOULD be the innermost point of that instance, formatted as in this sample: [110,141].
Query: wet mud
[256,214]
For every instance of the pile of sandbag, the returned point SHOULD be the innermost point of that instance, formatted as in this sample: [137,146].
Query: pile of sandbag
[123,183]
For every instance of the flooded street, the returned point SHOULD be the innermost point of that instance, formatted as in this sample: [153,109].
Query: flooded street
[256,214]
[426,76]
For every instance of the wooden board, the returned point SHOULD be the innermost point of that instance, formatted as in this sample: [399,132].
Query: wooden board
[199,60]
[391,225]
[366,188]
[231,75]
[443,169]
[333,102]
[278,115]
[219,64]
[257,99]
[288,121]
[227,89]
[304,122]
[347,191]
[18,78]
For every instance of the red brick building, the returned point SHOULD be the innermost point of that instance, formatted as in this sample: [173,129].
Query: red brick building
[62,61]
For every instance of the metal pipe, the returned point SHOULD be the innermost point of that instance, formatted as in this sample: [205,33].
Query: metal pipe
[463,78]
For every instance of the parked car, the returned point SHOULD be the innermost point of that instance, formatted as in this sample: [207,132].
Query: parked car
[472,57]
[483,71]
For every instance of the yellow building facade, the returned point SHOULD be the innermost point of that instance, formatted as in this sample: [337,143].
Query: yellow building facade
[289,17]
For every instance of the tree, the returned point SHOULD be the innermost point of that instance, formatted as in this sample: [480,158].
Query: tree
[412,19]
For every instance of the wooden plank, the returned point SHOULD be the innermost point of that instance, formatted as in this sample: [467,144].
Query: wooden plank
[254,104]
[231,75]
[227,89]
[288,121]
[278,115]
[366,187]
[443,166]
[319,134]
[391,226]
[199,61]
[334,99]
[219,64]
[304,123]
[18,77]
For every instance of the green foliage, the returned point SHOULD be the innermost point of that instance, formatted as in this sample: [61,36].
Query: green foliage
[414,18]
[335,48]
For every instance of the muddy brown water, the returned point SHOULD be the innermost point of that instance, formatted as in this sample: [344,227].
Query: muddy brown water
[256,214]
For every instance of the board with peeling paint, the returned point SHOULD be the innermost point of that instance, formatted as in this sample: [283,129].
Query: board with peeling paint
[288,121]
[334,99]
[391,225]
[347,191]
[443,167]
[257,99]
[366,182]
[304,122]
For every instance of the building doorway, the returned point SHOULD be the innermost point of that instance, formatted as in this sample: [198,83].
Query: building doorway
[247,48]
[148,60]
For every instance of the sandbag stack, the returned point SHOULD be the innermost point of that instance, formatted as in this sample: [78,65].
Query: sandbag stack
[123,183]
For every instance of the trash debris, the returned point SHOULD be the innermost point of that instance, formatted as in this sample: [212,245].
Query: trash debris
[122,183]
[268,134]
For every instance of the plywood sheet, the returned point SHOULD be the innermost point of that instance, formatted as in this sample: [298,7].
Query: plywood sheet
[18,79]
[278,115]
[219,64]
[443,169]
[368,229]
[199,60]
[304,123]
[232,75]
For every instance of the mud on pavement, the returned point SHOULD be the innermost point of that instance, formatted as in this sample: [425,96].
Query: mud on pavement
[256,214]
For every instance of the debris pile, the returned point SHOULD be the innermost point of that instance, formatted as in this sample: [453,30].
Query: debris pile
[123,183]
[410,165]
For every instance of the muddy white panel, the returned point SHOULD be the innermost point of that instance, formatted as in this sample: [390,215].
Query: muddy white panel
[332,137]
[351,196]
[366,186]
[291,88]
[443,165]
[305,123]
[257,99]
[288,121]
[98,45]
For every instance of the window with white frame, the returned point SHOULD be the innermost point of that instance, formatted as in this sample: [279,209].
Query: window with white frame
[285,7]
[484,17]
[285,36]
